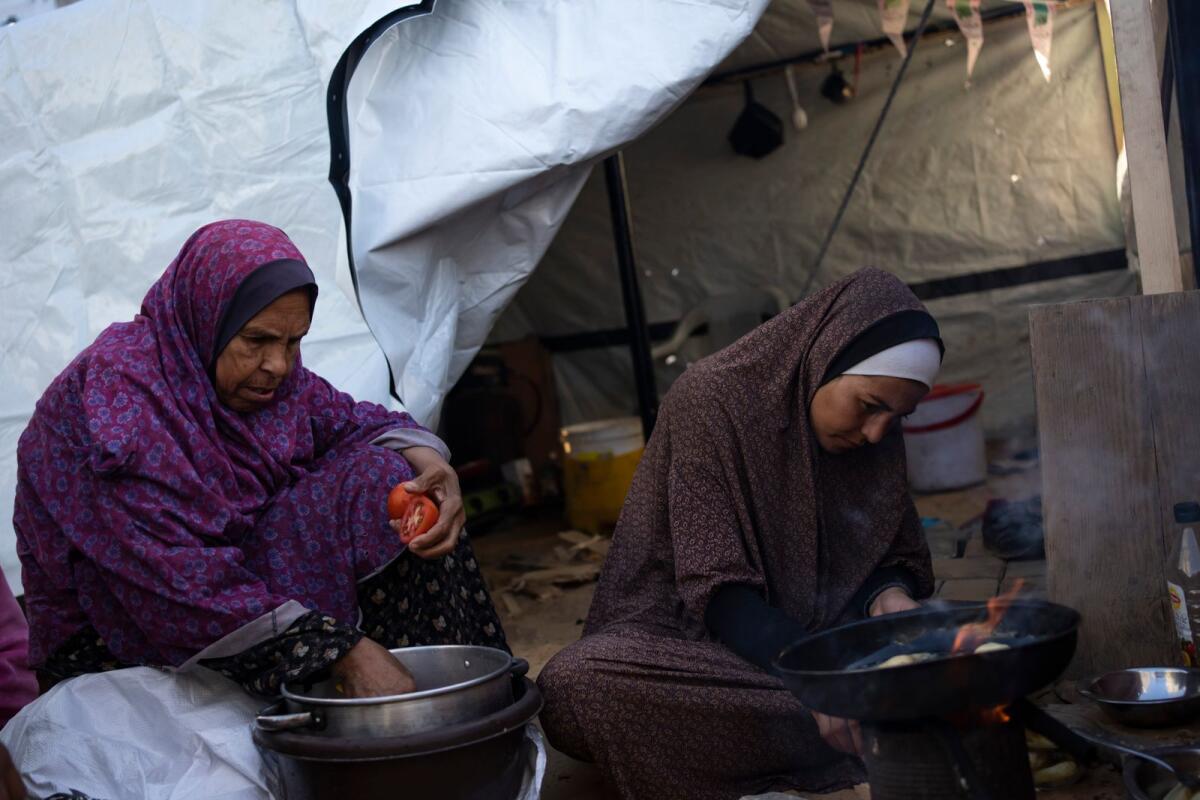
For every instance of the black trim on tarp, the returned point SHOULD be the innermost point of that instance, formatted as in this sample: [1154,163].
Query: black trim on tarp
[1185,24]
[1006,278]
[339,136]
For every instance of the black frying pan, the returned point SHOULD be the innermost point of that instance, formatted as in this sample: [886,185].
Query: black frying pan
[833,672]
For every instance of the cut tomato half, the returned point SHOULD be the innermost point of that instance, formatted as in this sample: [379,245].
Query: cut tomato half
[416,512]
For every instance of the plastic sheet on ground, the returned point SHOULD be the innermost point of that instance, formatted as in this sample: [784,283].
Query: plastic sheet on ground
[147,734]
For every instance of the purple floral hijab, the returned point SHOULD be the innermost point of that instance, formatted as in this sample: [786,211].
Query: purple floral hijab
[136,485]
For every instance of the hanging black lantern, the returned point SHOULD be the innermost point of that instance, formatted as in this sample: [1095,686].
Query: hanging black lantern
[757,130]
[835,88]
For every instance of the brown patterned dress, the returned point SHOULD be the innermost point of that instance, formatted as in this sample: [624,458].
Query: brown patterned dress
[733,489]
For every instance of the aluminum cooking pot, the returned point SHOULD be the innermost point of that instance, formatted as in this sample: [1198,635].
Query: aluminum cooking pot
[455,683]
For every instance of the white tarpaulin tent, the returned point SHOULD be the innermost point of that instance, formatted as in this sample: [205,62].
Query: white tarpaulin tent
[126,124]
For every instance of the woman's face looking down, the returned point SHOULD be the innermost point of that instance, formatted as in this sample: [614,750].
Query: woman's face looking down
[854,410]
[263,353]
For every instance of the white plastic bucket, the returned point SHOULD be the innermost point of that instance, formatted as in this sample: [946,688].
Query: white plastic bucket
[944,440]
[599,461]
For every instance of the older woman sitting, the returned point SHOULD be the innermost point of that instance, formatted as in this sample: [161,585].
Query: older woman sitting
[190,494]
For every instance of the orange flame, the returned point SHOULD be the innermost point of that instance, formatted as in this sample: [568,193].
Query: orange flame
[973,634]
[997,715]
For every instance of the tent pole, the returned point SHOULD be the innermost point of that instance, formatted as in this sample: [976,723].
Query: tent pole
[1184,26]
[862,162]
[631,294]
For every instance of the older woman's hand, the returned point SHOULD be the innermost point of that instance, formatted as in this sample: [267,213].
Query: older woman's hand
[438,480]
[370,670]
[892,600]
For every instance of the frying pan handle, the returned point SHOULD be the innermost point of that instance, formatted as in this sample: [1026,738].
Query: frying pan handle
[1068,740]
[519,667]
[290,722]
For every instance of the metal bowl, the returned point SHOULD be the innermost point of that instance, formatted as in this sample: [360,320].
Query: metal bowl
[1147,697]
[1146,781]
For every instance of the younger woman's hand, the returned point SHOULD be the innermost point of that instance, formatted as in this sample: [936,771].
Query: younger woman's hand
[840,734]
[892,600]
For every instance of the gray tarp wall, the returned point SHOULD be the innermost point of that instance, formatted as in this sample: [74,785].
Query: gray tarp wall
[1010,171]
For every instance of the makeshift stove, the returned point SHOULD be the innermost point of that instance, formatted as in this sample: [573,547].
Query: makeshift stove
[951,725]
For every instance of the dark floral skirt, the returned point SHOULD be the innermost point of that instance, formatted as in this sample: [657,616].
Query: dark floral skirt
[410,602]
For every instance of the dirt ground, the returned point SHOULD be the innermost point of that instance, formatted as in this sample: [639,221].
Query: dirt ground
[539,628]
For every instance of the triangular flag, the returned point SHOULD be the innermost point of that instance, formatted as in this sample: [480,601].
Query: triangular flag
[824,12]
[966,14]
[893,16]
[1040,18]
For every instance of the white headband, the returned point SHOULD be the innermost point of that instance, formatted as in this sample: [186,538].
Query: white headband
[918,360]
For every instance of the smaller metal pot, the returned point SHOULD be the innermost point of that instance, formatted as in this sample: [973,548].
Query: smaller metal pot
[1149,697]
[455,684]
[1147,781]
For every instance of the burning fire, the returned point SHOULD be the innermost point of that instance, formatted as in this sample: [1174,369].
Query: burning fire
[973,634]
[994,716]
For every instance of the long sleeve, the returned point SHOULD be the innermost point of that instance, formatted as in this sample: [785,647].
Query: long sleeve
[139,558]
[308,648]
[709,547]
[338,419]
[908,562]
[740,618]
[18,685]
[882,579]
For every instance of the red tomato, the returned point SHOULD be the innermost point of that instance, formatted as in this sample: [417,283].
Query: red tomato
[417,512]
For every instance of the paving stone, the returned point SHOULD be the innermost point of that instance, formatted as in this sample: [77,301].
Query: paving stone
[1026,569]
[975,567]
[975,547]
[1033,587]
[968,589]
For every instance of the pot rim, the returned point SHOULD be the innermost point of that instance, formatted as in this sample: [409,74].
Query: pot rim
[411,696]
[1131,766]
[508,720]
[1086,689]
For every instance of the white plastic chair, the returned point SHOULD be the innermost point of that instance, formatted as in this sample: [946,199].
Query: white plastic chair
[728,317]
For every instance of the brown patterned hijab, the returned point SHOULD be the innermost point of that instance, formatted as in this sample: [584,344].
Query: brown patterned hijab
[734,488]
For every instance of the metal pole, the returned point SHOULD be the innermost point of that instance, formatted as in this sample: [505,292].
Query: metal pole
[862,162]
[1183,28]
[631,294]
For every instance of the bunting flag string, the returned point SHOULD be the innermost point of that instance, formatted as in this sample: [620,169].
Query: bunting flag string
[893,15]
[1040,19]
[823,9]
[966,14]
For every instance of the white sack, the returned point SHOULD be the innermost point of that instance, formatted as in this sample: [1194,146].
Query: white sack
[148,734]
[142,733]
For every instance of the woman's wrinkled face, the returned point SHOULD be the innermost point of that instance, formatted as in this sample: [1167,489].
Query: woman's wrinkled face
[263,353]
[854,410]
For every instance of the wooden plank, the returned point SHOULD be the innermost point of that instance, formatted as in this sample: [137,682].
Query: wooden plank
[1170,331]
[1101,505]
[1109,53]
[1145,145]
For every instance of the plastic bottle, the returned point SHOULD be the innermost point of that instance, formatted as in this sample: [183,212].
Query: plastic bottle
[1183,582]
